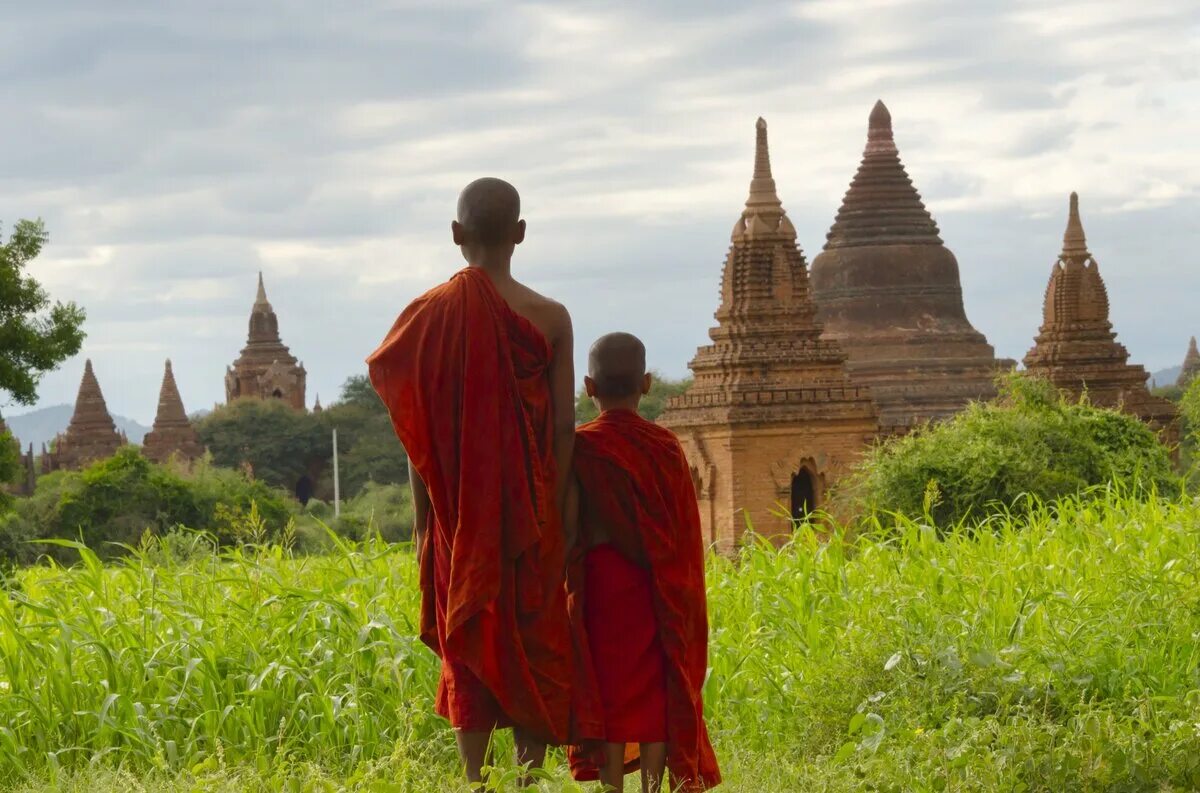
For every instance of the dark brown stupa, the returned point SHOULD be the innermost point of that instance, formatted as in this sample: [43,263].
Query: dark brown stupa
[172,433]
[888,290]
[92,435]
[1076,348]
[772,418]
[265,369]
[1191,365]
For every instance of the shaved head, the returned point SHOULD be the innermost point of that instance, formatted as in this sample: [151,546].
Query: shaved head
[489,210]
[617,365]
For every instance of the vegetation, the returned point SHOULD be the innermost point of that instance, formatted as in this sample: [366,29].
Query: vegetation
[385,510]
[653,404]
[1053,652]
[993,456]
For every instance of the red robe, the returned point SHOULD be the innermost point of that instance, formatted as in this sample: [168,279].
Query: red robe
[465,380]
[635,475]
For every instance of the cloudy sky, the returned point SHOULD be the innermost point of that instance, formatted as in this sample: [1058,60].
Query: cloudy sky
[176,148]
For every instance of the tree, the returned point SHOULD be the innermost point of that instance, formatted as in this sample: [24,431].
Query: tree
[368,448]
[35,337]
[652,405]
[280,444]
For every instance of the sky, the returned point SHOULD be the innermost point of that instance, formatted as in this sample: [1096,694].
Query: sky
[175,149]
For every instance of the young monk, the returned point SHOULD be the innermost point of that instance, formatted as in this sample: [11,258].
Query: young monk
[477,375]
[637,584]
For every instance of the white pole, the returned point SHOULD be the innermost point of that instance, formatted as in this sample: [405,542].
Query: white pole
[337,490]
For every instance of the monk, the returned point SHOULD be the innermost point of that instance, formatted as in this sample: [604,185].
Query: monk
[637,585]
[477,375]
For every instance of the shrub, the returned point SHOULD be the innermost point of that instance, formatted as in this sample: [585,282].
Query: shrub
[1029,442]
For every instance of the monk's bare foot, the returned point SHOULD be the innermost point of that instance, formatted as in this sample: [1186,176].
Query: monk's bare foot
[531,752]
[473,749]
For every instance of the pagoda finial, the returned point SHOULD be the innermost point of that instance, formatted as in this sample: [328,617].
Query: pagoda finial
[879,129]
[764,211]
[261,299]
[1074,243]
[762,157]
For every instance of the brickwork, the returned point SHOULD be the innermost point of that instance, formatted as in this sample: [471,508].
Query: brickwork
[266,369]
[172,433]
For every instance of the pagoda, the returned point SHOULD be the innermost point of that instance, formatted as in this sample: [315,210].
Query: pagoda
[888,290]
[172,433]
[1191,365]
[91,435]
[1076,348]
[265,369]
[771,419]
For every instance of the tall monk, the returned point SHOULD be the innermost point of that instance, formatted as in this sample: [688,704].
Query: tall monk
[637,585]
[478,378]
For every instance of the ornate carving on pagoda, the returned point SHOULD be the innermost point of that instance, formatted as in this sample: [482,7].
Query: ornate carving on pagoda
[770,390]
[1076,348]
[888,290]
[172,433]
[266,369]
[1191,365]
[90,436]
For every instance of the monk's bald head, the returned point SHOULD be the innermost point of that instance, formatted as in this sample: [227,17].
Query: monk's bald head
[617,365]
[489,212]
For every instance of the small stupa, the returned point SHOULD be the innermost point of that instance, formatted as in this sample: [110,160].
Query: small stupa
[173,433]
[266,369]
[1191,365]
[888,290]
[1076,347]
[91,435]
[771,418]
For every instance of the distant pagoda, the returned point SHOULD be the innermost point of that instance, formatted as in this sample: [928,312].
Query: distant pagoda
[888,290]
[771,417]
[172,433]
[1191,365]
[266,369]
[91,435]
[1076,347]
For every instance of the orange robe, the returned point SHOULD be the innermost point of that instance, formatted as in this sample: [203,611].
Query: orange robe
[633,473]
[465,380]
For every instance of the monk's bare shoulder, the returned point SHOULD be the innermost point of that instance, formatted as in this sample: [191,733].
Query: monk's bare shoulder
[550,316]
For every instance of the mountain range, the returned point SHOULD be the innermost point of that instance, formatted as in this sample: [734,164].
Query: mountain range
[44,424]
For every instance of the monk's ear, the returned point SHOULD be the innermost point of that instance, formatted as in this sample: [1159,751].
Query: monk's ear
[458,233]
[647,380]
[589,386]
[519,233]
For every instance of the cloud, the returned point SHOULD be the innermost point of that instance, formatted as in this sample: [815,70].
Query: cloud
[176,149]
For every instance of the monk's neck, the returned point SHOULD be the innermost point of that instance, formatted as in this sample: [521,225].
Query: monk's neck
[498,268]
[619,405]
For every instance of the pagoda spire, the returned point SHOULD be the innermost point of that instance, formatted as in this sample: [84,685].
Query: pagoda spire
[90,408]
[1191,365]
[1074,241]
[172,432]
[91,435]
[261,298]
[170,404]
[764,213]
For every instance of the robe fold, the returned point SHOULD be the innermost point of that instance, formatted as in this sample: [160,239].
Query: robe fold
[465,381]
[634,475]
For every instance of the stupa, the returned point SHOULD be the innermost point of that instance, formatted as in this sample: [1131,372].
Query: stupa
[1191,365]
[172,433]
[771,419]
[266,369]
[1076,348]
[91,435]
[888,290]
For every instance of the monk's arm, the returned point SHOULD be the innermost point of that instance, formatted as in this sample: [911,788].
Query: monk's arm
[562,390]
[420,507]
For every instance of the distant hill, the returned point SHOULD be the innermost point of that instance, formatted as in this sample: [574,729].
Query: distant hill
[1166,376]
[42,425]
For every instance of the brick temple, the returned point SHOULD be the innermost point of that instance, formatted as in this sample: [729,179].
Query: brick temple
[172,434]
[1191,365]
[90,436]
[771,418]
[888,290]
[266,369]
[1076,347]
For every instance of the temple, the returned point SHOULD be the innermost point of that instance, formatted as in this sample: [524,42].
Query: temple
[265,369]
[172,434]
[92,435]
[1191,365]
[1076,348]
[888,290]
[771,418]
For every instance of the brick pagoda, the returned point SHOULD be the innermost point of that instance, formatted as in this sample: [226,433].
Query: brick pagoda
[266,369]
[1076,347]
[1191,365]
[91,435]
[771,418]
[888,290]
[172,433]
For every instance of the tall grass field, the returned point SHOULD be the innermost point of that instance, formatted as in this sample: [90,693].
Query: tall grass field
[1053,652]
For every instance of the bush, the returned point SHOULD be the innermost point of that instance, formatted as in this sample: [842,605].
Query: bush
[1029,442]
[380,509]
[652,405]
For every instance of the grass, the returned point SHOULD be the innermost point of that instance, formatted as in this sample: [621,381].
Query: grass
[1057,651]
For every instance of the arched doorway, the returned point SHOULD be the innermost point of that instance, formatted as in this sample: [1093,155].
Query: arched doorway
[277,394]
[804,494]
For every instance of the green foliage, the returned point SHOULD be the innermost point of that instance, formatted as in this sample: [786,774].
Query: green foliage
[1030,442]
[115,501]
[368,450]
[35,336]
[1053,652]
[652,405]
[280,444]
[11,470]
[1189,409]
[377,509]
[1171,392]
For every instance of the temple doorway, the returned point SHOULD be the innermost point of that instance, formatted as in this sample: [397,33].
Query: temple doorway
[804,494]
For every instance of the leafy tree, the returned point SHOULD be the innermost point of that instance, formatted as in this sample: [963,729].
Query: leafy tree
[1029,442]
[368,450]
[652,405]
[10,466]
[280,444]
[35,336]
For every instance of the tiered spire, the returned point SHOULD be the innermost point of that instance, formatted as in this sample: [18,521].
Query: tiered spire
[91,435]
[764,213]
[1191,365]
[172,432]
[1076,293]
[266,369]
